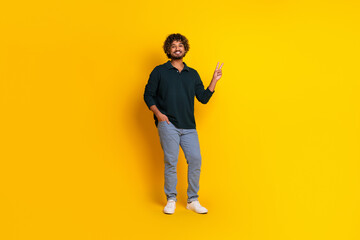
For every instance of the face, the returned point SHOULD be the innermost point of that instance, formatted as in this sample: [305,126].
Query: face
[177,50]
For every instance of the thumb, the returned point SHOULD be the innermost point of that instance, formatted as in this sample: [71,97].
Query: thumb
[168,122]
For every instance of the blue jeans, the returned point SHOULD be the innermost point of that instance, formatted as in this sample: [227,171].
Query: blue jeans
[170,139]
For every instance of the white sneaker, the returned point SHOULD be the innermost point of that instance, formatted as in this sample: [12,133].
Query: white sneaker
[170,207]
[196,207]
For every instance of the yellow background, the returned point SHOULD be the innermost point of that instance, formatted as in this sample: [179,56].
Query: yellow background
[280,137]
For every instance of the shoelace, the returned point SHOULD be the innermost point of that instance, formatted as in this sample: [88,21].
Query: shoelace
[197,205]
[170,204]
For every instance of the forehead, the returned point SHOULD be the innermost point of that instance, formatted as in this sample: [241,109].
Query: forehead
[175,42]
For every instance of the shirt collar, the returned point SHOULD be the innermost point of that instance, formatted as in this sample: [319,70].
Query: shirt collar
[169,66]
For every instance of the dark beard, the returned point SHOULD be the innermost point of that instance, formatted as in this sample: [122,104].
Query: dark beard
[177,57]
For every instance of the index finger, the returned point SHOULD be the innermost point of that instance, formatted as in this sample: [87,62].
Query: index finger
[221,65]
[217,66]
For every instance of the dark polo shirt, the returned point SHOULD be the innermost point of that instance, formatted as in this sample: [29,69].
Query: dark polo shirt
[173,93]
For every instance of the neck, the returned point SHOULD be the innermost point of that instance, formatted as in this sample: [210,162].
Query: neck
[177,62]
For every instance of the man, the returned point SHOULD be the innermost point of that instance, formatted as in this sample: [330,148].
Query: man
[170,94]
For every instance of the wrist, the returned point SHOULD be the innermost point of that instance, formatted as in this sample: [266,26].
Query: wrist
[158,114]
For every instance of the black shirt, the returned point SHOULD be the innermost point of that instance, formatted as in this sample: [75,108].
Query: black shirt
[173,93]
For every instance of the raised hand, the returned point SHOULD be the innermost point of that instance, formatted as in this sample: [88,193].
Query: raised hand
[218,72]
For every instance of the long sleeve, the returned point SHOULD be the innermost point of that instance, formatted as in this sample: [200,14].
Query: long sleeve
[151,88]
[201,94]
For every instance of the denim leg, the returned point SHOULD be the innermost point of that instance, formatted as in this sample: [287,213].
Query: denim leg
[170,140]
[189,142]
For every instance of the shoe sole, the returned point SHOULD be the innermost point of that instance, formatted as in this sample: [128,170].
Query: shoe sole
[194,211]
[168,213]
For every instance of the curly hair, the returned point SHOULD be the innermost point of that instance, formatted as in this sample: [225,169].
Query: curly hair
[175,37]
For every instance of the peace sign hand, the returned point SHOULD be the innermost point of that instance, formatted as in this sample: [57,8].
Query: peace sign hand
[218,72]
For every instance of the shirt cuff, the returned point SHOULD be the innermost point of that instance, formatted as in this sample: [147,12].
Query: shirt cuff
[210,90]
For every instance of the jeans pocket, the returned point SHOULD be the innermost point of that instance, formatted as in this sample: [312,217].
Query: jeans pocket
[161,123]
